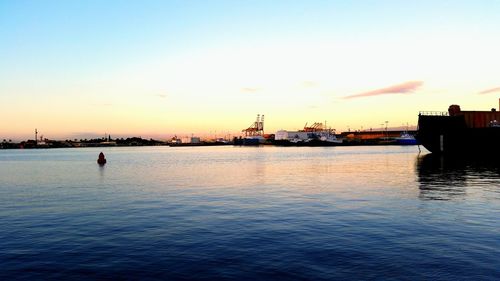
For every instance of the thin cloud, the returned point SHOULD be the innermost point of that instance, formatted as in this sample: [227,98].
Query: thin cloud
[493,90]
[159,94]
[249,90]
[309,84]
[403,88]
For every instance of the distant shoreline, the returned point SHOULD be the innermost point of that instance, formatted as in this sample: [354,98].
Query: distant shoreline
[368,138]
[13,146]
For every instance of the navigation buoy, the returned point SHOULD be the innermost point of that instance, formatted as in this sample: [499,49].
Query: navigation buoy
[101,160]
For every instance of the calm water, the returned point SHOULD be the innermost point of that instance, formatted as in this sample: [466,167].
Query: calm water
[248,213]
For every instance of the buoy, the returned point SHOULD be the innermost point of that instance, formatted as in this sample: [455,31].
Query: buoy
[101,160]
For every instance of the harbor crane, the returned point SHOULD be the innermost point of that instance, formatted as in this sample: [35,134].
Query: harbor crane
[257,128]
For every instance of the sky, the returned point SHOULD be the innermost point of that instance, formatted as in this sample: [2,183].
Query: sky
[80,69]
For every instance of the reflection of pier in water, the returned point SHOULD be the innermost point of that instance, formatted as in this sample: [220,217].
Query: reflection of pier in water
[449,178]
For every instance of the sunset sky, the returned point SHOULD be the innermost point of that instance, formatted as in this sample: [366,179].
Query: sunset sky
[76,69]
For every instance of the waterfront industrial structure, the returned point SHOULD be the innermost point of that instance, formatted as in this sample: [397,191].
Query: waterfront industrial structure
[316,134]
[257,127]
[459,132]
[254,134]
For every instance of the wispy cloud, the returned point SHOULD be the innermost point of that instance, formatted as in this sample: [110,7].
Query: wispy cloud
[492,90]
[159,94]
[249,90]
[403,88]
[309,84]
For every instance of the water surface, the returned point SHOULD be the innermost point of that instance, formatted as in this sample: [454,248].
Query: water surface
[248,213]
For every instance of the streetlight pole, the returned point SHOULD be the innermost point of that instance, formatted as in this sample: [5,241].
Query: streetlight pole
[386,133]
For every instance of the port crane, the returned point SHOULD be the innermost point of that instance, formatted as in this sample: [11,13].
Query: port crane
[316,127]
[257,127]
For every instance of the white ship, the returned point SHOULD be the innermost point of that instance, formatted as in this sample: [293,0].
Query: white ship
[315,135]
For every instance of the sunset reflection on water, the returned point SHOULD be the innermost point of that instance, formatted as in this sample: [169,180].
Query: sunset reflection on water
[247,213]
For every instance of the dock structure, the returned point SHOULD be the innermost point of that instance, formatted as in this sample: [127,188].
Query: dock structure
[372,135]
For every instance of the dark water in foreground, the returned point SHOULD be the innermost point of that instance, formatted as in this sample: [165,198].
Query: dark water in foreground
[359,213]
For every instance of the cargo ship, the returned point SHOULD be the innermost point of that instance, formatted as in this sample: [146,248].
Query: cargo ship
[460,132]
[315,135]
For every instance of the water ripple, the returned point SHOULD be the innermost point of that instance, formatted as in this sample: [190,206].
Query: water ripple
[236,213]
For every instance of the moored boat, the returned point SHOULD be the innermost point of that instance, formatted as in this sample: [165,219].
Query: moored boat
[406,139]
[315,135]
[460,132]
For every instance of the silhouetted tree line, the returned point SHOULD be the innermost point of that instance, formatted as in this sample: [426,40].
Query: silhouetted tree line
[133,141]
